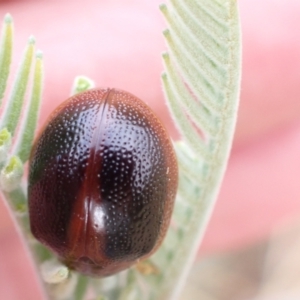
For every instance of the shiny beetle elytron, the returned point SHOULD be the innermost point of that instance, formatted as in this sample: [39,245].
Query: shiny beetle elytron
[102,182]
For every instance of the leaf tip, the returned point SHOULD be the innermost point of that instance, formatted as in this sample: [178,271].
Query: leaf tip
[166,32]
[31,40]
[39,54]
[53,271]
[164,76]
[81,84]
[165,55]
[11,174]
[162,7]
[8,18]
[5,143]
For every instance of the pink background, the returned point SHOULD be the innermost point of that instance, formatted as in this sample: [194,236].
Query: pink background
[118,44]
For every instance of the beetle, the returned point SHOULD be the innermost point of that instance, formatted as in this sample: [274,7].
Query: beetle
[103,177]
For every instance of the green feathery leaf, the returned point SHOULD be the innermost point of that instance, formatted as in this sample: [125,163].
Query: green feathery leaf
[5,53]
[201,83]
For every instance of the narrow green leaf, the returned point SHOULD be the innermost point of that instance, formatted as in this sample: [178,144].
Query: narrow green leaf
[5,53]
[198,113]
[182,25]
[29,120]
[15,102]
[199,85]
[189,133]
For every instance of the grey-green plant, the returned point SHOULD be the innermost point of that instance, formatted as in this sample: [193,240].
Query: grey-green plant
[201,82]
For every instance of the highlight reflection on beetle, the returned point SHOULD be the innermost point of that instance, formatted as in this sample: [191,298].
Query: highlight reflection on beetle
[102,182]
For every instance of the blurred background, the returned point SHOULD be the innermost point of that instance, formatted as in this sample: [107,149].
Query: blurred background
[250,250]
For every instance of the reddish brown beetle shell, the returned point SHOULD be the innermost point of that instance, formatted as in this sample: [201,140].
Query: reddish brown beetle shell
[102,182]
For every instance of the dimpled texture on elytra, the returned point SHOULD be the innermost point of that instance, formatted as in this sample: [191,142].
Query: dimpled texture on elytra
[102,182]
